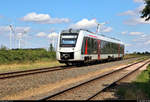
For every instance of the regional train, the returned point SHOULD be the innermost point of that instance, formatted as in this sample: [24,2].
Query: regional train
[79,46]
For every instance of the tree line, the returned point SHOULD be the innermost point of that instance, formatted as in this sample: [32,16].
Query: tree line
[25,55]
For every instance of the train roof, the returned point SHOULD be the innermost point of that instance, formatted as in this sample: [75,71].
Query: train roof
[101,36]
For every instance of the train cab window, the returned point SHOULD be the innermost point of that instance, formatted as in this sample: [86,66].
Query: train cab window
[68,39]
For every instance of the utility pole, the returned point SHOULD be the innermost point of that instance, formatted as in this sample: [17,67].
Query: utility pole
[99,25]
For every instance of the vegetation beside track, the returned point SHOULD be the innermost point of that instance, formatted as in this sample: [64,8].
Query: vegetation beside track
[25,55]
[27,66]
[134,55]
[139,89]
[24,59]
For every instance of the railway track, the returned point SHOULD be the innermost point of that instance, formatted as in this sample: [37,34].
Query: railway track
[33,71]
[91,88]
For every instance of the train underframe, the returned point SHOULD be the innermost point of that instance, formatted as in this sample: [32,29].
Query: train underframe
[87,60]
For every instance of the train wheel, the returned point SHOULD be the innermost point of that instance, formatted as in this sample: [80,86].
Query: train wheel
[68,63]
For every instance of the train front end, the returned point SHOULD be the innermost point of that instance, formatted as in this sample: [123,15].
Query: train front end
[69,45]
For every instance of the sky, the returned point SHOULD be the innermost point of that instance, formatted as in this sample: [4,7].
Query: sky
[38,22]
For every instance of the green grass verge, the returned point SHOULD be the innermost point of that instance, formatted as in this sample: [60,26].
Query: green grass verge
[139,89]
[29,65]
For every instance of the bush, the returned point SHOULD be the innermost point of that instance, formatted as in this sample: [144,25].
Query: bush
[25,55]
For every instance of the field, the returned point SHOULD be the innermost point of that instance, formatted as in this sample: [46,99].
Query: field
[14,60]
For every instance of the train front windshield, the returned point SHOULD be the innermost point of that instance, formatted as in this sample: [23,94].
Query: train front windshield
[68,39]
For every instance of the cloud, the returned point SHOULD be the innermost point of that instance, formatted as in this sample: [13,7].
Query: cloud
[41,34]
[52,35]
[143,39]
[129,12]
[107,29]
[134,12]
[135,21]
[48,35]
[135,15]
[135,33]
[147,42]
[125,32]
[84,24]
[138,1]
[89,24]
[43,19]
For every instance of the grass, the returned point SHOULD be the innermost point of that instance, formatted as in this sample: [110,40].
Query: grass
[44,62]
[26,66]
[127,56]
[139,89]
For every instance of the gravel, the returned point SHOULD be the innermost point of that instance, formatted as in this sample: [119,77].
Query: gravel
[111,93]
[86,90]
[20,84]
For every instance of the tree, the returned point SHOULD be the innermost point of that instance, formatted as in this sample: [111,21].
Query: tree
[146,11]
[51,48]
[3,47]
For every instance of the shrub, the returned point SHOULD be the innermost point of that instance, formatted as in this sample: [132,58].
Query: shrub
[25,55]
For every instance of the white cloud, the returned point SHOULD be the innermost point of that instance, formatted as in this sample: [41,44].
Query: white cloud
[48,35]
[138,1]
[41,34]
[147,42]
[125,32]
[129,12]
[107,29]
[135,33]
[88,24]
[135,15]
[52,35]
[134,12]
[43,18]
[84,24]
[135,21]
[143,39]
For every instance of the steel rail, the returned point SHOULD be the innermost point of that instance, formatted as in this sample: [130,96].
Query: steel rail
[31,72]
[101,76]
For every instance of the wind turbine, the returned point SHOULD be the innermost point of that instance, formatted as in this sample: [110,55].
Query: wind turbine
[20,38]
[12,30]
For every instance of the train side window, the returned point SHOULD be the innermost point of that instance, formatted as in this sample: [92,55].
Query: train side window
[89,48]
[83,45]
[95,44]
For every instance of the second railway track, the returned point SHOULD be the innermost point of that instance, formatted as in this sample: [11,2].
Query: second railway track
[30,72]
[89,89]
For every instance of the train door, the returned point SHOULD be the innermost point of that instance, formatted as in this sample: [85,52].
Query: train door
[118,50]
[99,45]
